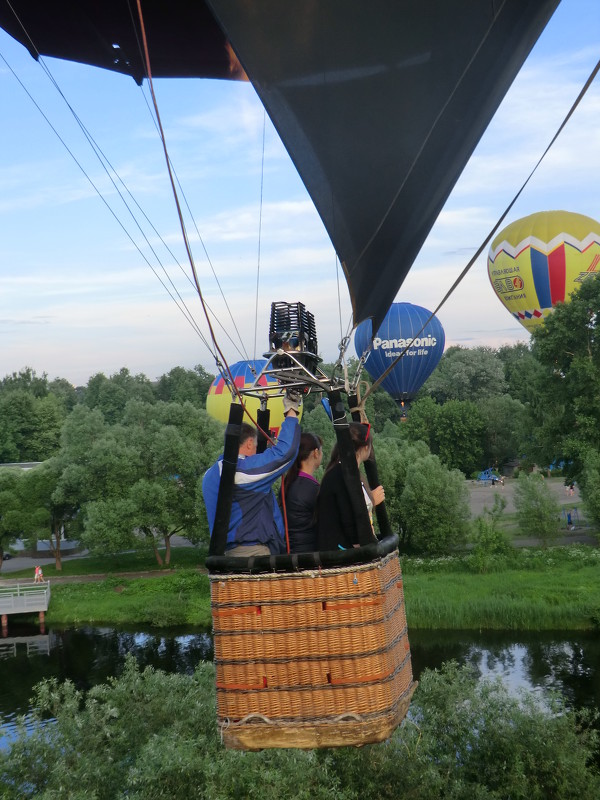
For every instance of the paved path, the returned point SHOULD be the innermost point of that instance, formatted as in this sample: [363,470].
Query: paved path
[19,563]
[482,497]
[24,562]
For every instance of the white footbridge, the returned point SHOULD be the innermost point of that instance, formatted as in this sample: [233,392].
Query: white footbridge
[23,598]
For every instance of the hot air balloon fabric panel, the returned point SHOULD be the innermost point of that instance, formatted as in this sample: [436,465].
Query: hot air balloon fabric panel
[244,374]
[541,260]
[400,328]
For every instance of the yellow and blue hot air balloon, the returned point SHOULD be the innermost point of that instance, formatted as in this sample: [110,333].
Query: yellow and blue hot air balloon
[244,374]
[540,260]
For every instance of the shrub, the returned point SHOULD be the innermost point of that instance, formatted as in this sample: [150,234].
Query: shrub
[435,507]
[538,512]
[151,736]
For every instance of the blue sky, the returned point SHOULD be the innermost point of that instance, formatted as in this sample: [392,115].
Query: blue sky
[76,295]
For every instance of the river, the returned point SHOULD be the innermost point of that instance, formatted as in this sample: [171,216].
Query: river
[568,663]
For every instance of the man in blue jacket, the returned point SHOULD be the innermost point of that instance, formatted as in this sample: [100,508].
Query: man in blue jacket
[256,525]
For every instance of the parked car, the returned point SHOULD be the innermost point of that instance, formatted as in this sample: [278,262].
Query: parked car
[6,556]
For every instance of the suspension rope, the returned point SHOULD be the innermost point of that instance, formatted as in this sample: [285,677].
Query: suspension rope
[241,352]
[176,198]
[232,385]
[180,303]
[113,177]
[262,178]
[490,235]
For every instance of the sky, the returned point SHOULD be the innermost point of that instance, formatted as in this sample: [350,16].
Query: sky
[79,292]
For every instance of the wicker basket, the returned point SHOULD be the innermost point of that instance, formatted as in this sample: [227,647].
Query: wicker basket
[313,658]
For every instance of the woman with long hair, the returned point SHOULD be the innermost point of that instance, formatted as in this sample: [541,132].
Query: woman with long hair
[336,524]
[301,489]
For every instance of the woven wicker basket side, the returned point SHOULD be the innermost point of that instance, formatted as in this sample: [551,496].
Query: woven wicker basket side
[314,649]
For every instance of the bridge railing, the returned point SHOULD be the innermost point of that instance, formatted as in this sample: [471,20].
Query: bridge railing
[23,597]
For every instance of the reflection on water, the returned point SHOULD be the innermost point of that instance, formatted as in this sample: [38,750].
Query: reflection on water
[88,656]
[567,663]
[33,645]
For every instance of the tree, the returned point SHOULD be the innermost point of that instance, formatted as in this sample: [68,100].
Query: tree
[65,392]
[589,484]
[25,380]
[505,427]
[421,422]
[538,511]
[521,369]
[145,474]
[454,431]
[181,385]
[458,435]
[466,374]
[152,736]
[10,514]
[435,507]
[567,346]
[395,458]
[45,513]
[381,408]
[488,541]
[110,395]
[50,414]
[29,425]
[17,425]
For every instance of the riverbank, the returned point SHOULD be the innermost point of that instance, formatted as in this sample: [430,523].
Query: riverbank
[554,589]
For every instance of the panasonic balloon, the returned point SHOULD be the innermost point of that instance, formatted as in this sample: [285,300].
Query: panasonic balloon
[404,327]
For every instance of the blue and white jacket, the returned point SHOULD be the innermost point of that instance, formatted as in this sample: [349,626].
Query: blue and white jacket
[255,515]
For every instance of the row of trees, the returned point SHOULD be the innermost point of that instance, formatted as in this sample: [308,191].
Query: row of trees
[116,486]
[137,482]
[33,409]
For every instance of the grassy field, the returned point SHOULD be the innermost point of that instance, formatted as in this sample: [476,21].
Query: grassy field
[182,598]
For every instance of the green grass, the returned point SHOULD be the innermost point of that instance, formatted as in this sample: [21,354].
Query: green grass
[182,598]
[560,599]
[528,589]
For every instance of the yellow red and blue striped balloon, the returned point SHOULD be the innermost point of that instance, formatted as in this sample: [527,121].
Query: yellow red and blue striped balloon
[540,260]
[244,374]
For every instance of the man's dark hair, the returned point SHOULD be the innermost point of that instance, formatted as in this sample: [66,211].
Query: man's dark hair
[246,432]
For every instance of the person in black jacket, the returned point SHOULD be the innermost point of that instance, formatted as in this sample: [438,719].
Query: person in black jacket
[336,524]
[300,490]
